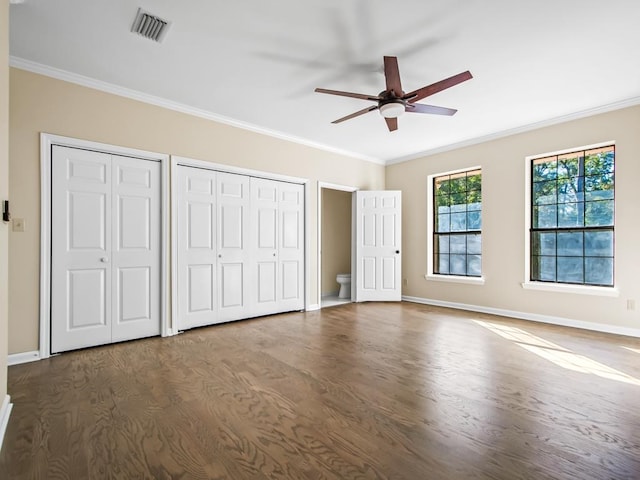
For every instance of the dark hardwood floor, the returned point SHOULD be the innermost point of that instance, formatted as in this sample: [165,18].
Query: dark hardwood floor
[362,391]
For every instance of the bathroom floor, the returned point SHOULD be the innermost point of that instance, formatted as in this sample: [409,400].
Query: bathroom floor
[333,300]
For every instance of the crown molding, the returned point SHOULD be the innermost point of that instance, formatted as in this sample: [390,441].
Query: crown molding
[619,105]
[59,74]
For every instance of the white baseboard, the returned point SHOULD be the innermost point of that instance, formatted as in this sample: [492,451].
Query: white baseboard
[534,317]
[313,307]
[24,357]
[5,411]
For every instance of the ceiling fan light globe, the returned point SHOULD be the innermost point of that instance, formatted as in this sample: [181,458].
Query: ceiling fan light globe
[392,110]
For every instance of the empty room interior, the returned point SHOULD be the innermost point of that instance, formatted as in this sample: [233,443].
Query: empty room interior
[319,240]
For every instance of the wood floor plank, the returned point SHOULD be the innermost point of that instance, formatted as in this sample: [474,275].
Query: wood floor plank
[360,391]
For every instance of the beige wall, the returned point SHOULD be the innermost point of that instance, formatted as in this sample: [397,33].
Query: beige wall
[336,237]
[4,190]
[503,171]
[42,104]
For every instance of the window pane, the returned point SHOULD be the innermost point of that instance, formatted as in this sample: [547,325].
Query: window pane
[476,201]
[458,183]
[568,166]
[599,187]
[545,192]
[458,243]
[598,244]
[544,243]
[599,213]
[474,244]
[441,185]
[458,264]
[570,190]
[458,222]
[474,181]
[599,161]
[598,271]
[443,243]
[571,215]
[545,216]
[474,265]
[474,220]
[544,268]
[458,207]
[443,223]
[570,269]
[570,244]
[442,264]
[544,169]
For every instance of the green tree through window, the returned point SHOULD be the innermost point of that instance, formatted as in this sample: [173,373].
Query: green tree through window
[457,223]
[572,217]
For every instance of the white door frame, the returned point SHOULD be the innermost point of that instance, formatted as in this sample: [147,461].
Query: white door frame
[343,188]
[192,162]
[46,142]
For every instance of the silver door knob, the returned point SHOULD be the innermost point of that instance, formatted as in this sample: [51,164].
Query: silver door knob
[104,260]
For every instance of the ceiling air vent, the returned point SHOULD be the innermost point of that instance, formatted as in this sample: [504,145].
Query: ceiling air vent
[150,26]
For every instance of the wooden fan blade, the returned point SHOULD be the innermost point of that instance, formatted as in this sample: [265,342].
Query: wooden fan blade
[373,98]
[392,123]
[421,108]
[392,75]
[424,92]
[356,114]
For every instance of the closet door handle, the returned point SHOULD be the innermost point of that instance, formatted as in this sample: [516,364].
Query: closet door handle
[104,260]
[397,251]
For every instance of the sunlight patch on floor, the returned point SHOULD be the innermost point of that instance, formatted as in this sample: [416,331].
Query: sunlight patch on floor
[559,355]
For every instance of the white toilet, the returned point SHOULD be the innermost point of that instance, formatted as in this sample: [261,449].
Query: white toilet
[344,279]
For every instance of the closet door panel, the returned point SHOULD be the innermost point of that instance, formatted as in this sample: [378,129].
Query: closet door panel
[291,246]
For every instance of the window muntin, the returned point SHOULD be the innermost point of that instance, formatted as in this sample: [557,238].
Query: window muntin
[572,217]
[457,224]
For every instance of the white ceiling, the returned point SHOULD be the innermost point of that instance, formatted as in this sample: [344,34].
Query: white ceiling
[257,62]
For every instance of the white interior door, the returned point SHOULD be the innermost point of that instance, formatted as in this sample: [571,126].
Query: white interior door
[135,255]
[264,239]
[233,212]
[378,243]
[197,253]
[291,247]
[105,248]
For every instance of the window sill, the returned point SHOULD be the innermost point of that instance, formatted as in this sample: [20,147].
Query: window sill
[579,289]
[455,279]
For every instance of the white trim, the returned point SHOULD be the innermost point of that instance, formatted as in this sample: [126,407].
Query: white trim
[23,357]
[534,317]
[192,162]
[47,140]
[555,287]
[454,279]
[342,188]
[590,112]
[313,308]
[5,412]
[34,67]
[430,275]
[566,288]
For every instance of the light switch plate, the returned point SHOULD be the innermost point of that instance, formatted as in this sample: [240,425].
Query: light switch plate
[17,224]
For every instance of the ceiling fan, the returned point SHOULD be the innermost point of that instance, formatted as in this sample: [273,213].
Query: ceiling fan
[393,101]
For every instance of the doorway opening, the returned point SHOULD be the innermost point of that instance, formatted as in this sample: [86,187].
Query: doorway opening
[336,244]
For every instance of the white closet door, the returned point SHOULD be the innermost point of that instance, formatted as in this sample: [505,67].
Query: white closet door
[135,257]
[80,249]
[291,247]
[265,244]
[197,252]
[378,242]
[233,205]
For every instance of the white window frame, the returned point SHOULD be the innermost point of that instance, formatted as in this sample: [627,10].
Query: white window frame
[528,284]
[430,275]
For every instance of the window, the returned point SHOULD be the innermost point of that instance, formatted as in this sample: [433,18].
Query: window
[572,217]
[457,223]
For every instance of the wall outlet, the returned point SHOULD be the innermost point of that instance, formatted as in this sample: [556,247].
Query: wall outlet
[631,304]
[17,224]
